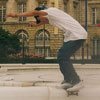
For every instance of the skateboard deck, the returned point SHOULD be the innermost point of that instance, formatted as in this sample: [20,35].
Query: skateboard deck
[71,91]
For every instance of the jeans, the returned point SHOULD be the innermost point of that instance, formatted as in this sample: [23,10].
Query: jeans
[66,66]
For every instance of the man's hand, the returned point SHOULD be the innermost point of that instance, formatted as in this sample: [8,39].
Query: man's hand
[32,23]
[12,15]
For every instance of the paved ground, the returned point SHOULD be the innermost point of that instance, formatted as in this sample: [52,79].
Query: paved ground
[41,83]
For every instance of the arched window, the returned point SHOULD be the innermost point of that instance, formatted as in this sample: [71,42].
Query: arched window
[24,39]
[42,43]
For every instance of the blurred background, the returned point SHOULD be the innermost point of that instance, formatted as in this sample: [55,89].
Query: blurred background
[20,43]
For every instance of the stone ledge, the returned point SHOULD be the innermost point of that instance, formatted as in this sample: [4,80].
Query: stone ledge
[46,93]
[32,93]
[15,84]
[6,67]
[29,84]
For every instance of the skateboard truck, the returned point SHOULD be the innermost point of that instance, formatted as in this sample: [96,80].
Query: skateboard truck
[72,93]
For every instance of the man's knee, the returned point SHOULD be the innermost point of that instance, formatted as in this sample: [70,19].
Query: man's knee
[63,57]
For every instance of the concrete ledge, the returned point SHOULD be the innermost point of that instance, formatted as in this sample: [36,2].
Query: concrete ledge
[28,84]
[5,67]
[2,70]
[32,93]
[15,84]
[28,66]
[46,93]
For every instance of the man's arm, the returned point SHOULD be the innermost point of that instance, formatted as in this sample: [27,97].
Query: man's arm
[43,21]
[34,24]
[27,14]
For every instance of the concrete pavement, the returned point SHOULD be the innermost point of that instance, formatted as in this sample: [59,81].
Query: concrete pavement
[42,82]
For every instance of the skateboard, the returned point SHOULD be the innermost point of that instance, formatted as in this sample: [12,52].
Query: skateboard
[74,92]
[71,91]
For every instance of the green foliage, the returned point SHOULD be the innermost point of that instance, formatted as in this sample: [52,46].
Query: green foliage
[9,43]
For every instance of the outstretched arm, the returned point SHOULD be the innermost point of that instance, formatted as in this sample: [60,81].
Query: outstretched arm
[27,14]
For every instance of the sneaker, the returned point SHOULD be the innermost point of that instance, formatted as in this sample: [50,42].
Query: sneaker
[66,85]
[76,86]
[64,81]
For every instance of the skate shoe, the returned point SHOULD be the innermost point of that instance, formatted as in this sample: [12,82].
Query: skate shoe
[66,85]
[77,86]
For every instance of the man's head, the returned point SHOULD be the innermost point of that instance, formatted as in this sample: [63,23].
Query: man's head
[41,7]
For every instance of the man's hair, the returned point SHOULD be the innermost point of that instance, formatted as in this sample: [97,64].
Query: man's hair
[41,7]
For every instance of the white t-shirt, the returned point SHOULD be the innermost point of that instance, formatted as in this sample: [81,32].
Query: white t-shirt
[71,28]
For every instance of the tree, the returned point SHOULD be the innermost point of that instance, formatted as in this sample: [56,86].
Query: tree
[9,43]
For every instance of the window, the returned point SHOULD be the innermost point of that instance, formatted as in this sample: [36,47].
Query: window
[42,43]
[2,13]
[95,15]
[40,51]
[21,9]
[96,47]
[42,2]
[24,41]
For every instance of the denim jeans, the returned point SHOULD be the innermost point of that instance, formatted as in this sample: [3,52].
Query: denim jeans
[66,66]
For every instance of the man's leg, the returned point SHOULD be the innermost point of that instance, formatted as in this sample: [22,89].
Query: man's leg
[64,61]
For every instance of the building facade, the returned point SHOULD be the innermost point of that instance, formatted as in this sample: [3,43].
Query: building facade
[45,40]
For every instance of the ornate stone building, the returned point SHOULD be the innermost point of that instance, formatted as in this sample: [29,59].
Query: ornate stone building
[45,40]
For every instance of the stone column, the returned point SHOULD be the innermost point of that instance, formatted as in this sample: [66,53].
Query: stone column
[70,7]
[31,4]
[56,3]
[50,3]
[56,30]
[11,8]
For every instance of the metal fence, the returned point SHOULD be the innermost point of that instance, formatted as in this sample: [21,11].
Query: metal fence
[88,53]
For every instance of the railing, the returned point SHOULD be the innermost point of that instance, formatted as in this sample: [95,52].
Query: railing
[86,54]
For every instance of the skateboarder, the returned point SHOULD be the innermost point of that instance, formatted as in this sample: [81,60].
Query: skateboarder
[74,37]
